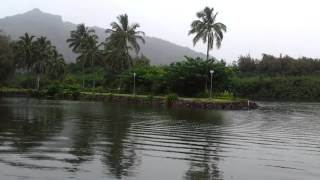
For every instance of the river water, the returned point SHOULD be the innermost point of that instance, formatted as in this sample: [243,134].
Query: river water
[45,139]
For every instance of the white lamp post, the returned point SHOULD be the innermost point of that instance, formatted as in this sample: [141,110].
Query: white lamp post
[134,83]
[211,73]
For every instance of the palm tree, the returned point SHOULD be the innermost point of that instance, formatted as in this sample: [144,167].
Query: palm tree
[79,41]
[207,29]
[43,55]
[58,65]
[25,51]
[91,53]
[124,37]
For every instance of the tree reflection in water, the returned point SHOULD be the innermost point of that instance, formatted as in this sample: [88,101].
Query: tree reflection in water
[119,154]
[116,133]
[29,126]
[83,135]
[204,157]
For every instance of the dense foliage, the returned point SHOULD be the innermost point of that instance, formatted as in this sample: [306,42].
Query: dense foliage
[190,77]
[37,56]
[281,78]
[6,59]
[271,65]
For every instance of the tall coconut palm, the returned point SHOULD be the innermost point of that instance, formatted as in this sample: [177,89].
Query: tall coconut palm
[58,65]
[124,37]
[92,52]
[43,55]
[207,29]
[78,41]
[24,48]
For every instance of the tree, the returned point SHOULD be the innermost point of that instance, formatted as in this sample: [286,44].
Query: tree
[79,41]
[91,53]
[207,29]
[24,51]
[123,38]
[189,77]
[43,56]
[58,66]
[6,58]
[38,56]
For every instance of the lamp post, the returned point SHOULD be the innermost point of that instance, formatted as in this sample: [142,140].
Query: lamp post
[134,83]
[211,73]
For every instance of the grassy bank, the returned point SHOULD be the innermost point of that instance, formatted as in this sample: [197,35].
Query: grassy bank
[171,100]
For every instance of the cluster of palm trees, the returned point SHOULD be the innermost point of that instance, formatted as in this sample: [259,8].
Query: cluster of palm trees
[123,40]
[38,56]
[115,52]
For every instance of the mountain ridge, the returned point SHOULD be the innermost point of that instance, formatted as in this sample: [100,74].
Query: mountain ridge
[39,23]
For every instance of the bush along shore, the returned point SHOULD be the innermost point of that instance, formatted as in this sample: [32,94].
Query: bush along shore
[171,100]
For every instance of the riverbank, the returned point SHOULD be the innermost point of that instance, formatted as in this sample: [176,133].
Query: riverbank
[174,102]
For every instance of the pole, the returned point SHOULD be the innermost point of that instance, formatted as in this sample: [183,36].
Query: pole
[211,86]
[134,83]
[211,73]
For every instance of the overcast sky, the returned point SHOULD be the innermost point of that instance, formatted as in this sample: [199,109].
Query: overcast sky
[254,26]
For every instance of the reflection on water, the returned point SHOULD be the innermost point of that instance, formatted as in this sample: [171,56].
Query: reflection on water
[42,139]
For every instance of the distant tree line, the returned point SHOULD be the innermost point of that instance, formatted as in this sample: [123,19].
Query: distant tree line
[277,78]
[283,65]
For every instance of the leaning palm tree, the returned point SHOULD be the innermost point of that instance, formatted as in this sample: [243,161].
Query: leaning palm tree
[207,29]
[124,37]
[78,41]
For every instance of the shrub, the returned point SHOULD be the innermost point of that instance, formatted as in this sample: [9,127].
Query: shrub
[54,90]
[171,99]
[226,95]
[72,91]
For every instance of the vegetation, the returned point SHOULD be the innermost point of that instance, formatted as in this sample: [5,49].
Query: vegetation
[38,56]
[207,29]
[281,78]
[171,99]
[122,38]
[108,67]
[84,42]
[6,59]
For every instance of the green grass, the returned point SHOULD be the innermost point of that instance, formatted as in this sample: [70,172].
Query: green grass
[208,100]
[205,100]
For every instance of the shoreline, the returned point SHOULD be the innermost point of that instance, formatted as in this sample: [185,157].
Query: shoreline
[191,103]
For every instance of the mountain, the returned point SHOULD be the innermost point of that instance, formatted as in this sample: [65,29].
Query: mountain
[39,23]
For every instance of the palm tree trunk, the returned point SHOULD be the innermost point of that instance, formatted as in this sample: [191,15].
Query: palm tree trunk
[82,75]
[38,82]
[206,85]
[208,51]
[94,74]
[128,57]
